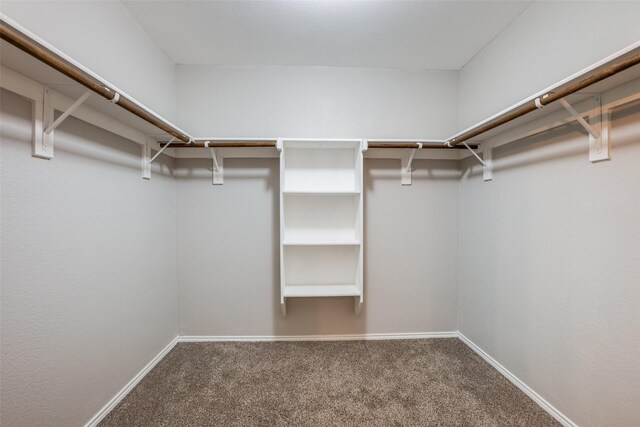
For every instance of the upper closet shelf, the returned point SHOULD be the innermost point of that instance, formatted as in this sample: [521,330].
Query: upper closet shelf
[27,59]
[316,192]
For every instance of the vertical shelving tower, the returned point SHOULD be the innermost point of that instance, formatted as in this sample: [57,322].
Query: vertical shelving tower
[321,219]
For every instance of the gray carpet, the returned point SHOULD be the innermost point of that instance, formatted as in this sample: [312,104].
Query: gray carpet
[438,382]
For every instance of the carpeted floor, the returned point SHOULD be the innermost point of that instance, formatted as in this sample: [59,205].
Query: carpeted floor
[357,383]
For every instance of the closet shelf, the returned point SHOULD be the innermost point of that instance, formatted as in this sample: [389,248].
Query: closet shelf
[50,64]
[347,290]
[320,242]
[319,192]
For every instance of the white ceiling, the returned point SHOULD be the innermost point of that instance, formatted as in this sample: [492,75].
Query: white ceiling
[395,34]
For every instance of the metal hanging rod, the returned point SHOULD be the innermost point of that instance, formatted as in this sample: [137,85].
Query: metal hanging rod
[200,143]
[33,47]
[607,68]
[39,50]
[432,146]
[272,143]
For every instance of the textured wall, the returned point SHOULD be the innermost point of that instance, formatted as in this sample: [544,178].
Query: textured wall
[104,37]
[317,102]
[88,277]
[228,253]
[550,268]
[548,42]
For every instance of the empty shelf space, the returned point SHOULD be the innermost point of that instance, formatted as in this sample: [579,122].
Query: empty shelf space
[325,144]
[319,169]
[322,219]
[321,242]
[349,290]
[312,192]
[321,264]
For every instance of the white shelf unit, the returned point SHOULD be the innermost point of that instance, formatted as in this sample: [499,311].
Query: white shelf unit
[321,219]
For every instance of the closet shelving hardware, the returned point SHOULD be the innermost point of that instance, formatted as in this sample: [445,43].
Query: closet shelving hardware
[321,219]
[598,118]
[12,33]
[597,122]
[314,192]
[67,112]
[272,144]
[164,147]
[217,166]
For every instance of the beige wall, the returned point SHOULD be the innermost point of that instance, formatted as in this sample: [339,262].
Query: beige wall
[88,276]
[548,42]
[317,102]
[228,253]
[550,268]
[103,36]
[228,236]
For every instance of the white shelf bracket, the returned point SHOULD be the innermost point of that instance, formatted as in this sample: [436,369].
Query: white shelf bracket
[218,165]
[364,145]
[598,128]
[357,304]
[279,144]
[40,147]
[161,150]
[43,118]
[405,165]
[474,153]
[600,120]
[487,164]
[67,113]
[593,132]
[146,157]
[44,124]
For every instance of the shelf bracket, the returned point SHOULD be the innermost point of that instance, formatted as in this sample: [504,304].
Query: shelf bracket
[593,132]
[406,162]
[146,156]
[486,160]
[279,144]
[164,147]
[598,128]
[43,131]
[67,113]
[40,147]
[474,153]
[487,164]
[218,165]
[364,145]
[600,120]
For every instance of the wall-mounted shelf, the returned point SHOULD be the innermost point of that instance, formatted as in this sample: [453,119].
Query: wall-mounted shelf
[53,81]
[322,243]
[316,192]
[321,215]
[306,291]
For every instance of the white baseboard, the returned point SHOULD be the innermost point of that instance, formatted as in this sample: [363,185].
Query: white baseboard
[351,337]
[552,410]
[134,381]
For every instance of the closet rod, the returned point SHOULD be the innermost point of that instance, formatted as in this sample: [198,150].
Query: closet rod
[28,44]
[272,143]
[230,144]
[563,90]
[431,146]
